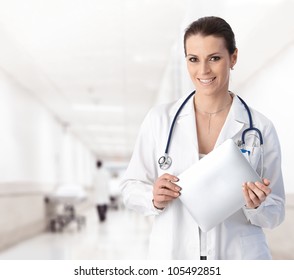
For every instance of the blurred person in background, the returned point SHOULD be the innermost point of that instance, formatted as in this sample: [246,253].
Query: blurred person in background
[101,190]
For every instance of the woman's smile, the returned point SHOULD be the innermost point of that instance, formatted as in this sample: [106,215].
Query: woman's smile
[206,82]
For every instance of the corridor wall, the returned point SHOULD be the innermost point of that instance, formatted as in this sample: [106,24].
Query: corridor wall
[37,155]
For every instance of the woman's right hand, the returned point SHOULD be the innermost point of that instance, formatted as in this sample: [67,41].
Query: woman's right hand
[165,190]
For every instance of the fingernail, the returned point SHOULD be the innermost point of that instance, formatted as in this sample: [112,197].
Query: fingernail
[177,188]
[267,182]
[176,179]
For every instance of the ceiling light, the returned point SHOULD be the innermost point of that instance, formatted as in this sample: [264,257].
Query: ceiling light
[98,108]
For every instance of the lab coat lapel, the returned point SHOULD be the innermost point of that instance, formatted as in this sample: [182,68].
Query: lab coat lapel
[187,124]
[184,145]
[234,123]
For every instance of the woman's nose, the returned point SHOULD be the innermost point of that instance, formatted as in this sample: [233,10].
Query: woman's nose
[204,68]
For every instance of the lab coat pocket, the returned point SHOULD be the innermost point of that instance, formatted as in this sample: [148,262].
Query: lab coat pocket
[252,154]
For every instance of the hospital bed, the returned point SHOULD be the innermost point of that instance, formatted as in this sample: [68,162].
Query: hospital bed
[62,207]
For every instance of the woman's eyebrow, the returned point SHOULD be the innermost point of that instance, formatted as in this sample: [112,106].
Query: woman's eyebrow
[212,54]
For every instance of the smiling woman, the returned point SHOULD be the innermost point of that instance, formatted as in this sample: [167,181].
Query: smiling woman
[203,122]
[209,62]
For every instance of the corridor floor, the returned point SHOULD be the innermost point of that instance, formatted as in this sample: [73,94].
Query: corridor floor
[124,235]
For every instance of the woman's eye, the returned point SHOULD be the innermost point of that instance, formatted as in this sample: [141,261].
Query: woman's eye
[193,59]
[214,58]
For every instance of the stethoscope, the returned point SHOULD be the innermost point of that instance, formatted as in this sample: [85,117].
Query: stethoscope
[165,161]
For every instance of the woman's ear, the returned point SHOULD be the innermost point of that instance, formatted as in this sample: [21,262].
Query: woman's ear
[234,57]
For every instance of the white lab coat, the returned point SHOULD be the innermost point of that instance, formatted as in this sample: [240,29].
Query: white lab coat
[101,186]
[174,233]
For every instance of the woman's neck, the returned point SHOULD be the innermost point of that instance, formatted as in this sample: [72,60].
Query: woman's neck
[211,104]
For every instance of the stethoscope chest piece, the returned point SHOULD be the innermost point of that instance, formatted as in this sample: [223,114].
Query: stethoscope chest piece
[165,162]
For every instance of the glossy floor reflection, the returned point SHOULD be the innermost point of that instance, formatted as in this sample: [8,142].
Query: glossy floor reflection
[124,235]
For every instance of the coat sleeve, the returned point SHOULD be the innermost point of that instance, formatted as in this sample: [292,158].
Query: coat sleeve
[137,183]
[271,212]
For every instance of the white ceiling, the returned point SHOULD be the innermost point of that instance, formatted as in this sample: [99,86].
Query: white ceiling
[97,65]
[110,54]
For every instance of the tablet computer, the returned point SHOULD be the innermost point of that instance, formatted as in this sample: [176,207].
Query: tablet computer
[212,187]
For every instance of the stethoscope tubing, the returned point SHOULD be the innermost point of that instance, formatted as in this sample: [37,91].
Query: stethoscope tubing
[174,121]
[251,127]
[165,161]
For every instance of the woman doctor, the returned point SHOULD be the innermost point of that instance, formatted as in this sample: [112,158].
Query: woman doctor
[211,116]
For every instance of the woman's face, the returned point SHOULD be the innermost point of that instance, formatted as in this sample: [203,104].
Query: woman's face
[209,63]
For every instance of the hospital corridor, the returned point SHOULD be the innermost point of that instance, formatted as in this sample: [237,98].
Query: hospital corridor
[123,236]
[78,81]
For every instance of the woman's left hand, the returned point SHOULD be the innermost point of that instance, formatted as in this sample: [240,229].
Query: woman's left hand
[256,193]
